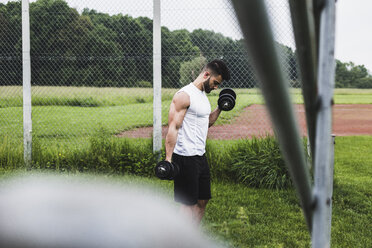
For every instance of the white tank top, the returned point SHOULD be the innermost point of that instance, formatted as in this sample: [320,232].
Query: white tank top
[192,134]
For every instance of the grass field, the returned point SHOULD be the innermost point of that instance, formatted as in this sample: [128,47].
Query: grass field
[239,216]
[73,112]
[11,96]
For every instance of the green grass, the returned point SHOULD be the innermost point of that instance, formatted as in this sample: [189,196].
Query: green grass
[67,122]
[249,217]
[122,112]
[240,216]
[11,96]
[67,113]
[353,99]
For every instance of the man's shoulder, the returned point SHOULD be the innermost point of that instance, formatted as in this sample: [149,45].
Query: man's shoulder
[186,87]
[181,99]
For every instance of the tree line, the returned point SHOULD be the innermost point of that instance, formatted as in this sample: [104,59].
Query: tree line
[102,50]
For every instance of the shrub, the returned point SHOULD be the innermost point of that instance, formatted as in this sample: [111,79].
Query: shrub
[259,163]
[66,101]
[219,159]
[256,162]
[103,154]
[189,70]
[11,153]
[143,84]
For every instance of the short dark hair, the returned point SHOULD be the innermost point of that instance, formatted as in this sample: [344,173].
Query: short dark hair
[219,67]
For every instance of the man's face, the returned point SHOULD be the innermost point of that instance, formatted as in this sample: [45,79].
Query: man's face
[212,82]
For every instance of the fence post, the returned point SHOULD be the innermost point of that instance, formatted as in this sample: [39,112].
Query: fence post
[157,138]
[330,193]
[320,236]
[26,60]
[305,38]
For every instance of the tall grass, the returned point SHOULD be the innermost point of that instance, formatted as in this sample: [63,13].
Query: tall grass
[255,162]
[11,154]
[259,163]
[104,153]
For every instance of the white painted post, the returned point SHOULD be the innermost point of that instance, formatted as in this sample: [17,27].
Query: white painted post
[26,58]
[157,138]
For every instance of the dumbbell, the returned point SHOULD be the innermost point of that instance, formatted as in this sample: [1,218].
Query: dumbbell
[226,100]
[166,170]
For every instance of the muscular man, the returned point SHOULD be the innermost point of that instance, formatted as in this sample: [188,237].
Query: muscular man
[189,118]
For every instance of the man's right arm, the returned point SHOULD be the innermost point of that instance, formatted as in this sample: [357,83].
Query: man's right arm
[177,111]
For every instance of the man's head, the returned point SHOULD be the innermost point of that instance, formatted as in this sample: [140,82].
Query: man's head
[214,73]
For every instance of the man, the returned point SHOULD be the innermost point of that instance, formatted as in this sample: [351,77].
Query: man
[189,118]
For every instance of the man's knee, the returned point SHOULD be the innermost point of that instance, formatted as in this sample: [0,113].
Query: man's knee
[202,203]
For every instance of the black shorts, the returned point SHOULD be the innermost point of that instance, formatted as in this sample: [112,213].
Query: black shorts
[194,180]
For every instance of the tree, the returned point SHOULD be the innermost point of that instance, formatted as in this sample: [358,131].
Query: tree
[176,49]
[92,48]
[189,70]
[10,44]
[349,75]
[50,20]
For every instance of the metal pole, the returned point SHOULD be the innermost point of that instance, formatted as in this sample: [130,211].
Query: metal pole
[157,138]
[305,37]
[254,22]
[26,59]
[331,168]
[323,154]
[317,6]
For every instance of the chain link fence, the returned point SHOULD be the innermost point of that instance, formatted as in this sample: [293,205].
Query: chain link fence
[92,66]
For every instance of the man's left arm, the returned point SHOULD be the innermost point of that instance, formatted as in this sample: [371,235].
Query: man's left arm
[214,116]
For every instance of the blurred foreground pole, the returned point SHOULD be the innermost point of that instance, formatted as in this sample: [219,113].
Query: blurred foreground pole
[26,60]
[157,138]
[254,22]
[305,37]
[323,163]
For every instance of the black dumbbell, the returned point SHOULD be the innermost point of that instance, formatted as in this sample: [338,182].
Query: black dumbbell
[166,170]
[226,100]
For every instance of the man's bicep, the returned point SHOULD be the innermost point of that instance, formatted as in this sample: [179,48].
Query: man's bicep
[178,108]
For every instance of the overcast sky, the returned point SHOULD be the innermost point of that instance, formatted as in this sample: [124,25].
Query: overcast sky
[354,32]
[353,20]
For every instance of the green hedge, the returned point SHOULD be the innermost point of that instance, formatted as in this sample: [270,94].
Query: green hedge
[254,162]
[259,163]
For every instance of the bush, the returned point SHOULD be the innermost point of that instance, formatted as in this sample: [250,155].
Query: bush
[103,154]
[11,154]
[219,159]
[259,163]
[364,83]
[189,70]
[256,163]
[143,84]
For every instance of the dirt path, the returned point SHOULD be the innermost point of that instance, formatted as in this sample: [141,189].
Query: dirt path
[355,119]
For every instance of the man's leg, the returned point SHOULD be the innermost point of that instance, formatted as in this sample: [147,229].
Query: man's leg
[188,210]
[204,188]
[195,212]
[200,210]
